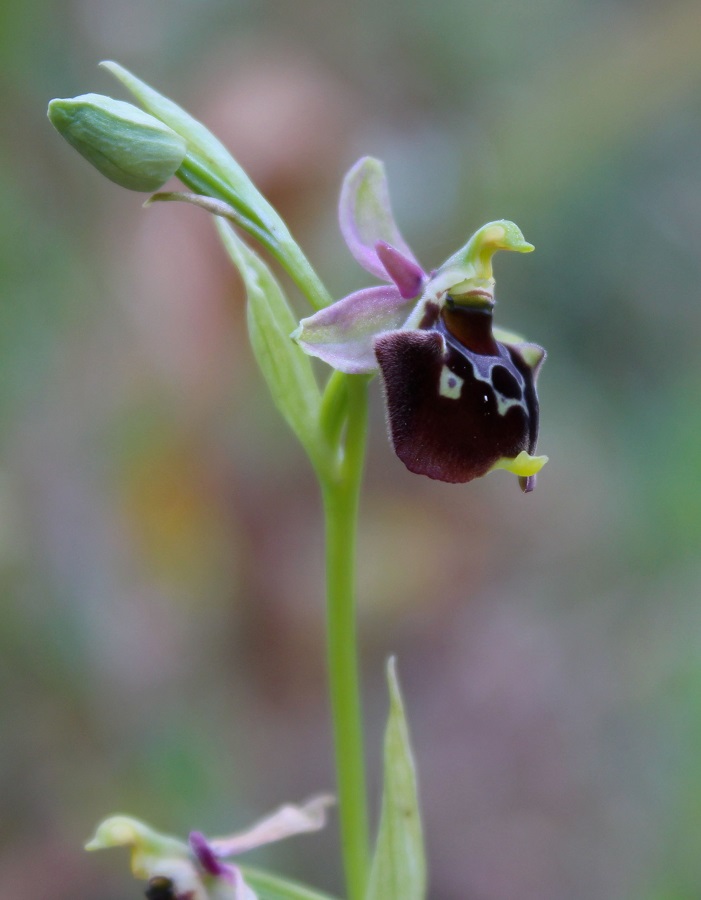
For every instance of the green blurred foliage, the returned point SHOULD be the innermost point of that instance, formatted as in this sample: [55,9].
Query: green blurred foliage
[160,549]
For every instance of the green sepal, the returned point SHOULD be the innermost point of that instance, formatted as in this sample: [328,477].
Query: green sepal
[285,367]
[399,867]
[125,144]
[273,887]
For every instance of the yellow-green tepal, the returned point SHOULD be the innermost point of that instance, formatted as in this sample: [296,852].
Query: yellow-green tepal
[125,144]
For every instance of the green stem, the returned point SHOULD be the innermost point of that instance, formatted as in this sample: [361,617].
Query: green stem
[341,500]
[334,408]
[345,403]
[280,245]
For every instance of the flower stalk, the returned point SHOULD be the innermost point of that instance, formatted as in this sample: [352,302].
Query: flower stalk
[341,496]
[281,246]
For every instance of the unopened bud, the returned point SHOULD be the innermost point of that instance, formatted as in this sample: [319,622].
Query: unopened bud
[125,144]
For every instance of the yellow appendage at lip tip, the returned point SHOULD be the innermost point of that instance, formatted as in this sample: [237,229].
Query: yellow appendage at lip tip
[524,464]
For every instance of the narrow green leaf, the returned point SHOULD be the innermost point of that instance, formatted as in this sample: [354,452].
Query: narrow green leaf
[399,867]
[272,887]
[285,366]
[206,149]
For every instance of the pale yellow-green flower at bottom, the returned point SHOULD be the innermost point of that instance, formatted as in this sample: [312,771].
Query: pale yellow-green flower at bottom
[196,870]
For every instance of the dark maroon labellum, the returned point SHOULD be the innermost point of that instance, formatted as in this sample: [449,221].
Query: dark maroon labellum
[458,400]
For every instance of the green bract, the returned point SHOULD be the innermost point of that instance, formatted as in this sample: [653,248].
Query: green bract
[399,867]
[285,367]
[125,144]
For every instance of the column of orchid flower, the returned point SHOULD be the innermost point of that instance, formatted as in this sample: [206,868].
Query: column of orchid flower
[461,402]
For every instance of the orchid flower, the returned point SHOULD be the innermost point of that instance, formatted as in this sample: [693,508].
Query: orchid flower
[461,396]
[197,870]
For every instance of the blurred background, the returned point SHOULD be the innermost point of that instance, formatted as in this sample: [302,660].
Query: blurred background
[160,535]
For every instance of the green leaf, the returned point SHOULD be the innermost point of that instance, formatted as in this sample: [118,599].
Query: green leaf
[206,149]
[285,366]
[399,867]
[272,887]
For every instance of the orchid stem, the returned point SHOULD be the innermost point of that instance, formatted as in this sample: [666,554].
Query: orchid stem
[281,247]
[344,423]
[341,500]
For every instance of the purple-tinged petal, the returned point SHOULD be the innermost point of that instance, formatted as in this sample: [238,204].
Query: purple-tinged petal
[365,216]
[404,272]
[208,859]
[284,822]
[342,334]
[214,867]
[457,403]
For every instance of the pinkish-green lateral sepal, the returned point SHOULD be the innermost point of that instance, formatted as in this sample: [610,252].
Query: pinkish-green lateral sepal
[344,333]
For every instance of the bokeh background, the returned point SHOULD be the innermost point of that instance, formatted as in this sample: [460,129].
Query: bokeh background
[160,536]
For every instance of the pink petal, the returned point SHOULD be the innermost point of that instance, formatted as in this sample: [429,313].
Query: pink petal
[366,216]
[208,859]
[405,273]
[343,334]
[284,822]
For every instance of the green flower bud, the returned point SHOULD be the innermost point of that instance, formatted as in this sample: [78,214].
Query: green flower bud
[130,147]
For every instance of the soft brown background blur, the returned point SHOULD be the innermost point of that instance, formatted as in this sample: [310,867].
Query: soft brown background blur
[161,614]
